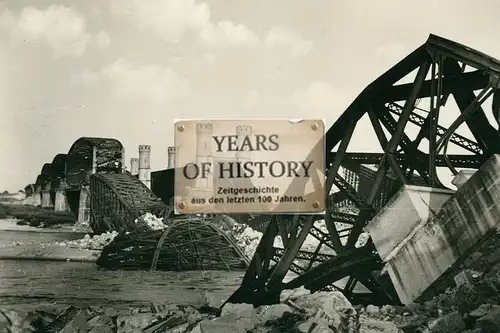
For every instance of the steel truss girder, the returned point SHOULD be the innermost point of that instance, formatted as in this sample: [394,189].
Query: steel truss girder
[116,200]
[400,155]
[461,161]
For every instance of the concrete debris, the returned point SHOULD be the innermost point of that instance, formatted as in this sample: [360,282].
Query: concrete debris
[325,307]
[372,325]
[466,277]
[490,323]
[372,309]
[449,323]
[293,294]
[323,312]
[271,312]
[311,326]
[96,242]
[325,316]
[248,239]
[483,310]
[155,223]
[243,314]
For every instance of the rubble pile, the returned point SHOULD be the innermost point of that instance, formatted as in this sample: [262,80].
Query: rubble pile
[248,239]
[155,223]
[96,242]
[298,312]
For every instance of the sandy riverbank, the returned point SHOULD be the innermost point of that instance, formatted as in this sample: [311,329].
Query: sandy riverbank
[20,242]
[48,252]
[11,224]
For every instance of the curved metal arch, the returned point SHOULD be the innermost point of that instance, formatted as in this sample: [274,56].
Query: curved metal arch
[46,170]
[81,155]
[84,142]
[201,223]
[58,166]
[41,179]
[379,90]
[188,243]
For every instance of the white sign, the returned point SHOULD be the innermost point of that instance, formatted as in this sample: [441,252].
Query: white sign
[249,166]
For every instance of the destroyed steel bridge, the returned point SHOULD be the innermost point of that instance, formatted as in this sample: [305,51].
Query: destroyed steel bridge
[404,116]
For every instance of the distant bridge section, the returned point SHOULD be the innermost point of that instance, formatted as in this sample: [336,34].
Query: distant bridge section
[111,198]
[90,155]
[58,170]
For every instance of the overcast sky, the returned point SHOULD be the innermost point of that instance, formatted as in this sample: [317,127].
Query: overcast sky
[126,69]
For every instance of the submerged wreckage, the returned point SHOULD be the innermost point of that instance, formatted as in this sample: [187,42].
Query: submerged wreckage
[421,234]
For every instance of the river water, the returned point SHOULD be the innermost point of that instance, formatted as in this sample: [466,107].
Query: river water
[28,284]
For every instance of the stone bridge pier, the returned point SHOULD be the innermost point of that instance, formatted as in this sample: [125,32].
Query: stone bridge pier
[46,199]
[61,203]
[84,205]
[37,195]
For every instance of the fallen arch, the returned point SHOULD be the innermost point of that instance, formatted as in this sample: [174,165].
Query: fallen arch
[188,243]
[435,71]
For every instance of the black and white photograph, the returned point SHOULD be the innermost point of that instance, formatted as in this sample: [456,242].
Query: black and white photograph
[249,166]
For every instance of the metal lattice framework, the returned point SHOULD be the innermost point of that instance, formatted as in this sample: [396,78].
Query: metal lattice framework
[46,171]
[188,243]
[41,180]
[90,155]
[117,199]
[444,69]
[58,170]
[44,177]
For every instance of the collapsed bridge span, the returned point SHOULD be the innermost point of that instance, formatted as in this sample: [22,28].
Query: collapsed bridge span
[410,110]
[427,112]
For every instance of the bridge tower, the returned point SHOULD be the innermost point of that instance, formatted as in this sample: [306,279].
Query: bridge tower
[134,166]
[145,165]
[242,131]
[204,152]
[171,157]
